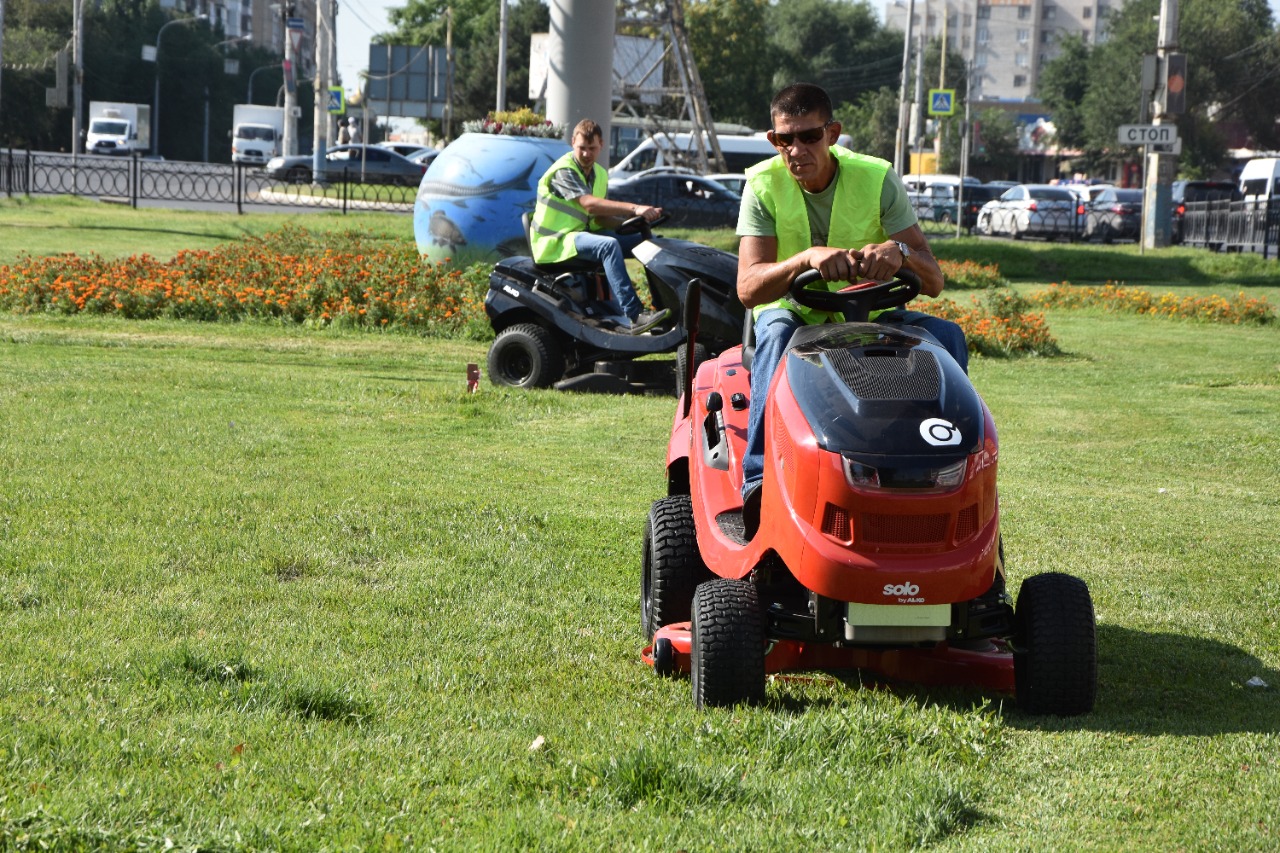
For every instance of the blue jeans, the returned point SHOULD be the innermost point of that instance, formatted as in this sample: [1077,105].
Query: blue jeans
[611,250]
[774,329]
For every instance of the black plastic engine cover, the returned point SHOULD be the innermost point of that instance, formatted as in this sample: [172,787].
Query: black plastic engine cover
[875,390]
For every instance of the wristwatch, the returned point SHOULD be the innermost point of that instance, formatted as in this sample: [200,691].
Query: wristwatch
[904,249]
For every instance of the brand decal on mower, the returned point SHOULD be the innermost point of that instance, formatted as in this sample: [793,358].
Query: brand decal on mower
[510,291]
[908,589]
[939,432]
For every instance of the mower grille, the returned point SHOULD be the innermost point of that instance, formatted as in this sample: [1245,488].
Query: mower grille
[904,529]
[967,523]
[835,523]
[890,376]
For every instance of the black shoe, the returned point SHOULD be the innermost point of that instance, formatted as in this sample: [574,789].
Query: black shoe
[751,510]
[647,320]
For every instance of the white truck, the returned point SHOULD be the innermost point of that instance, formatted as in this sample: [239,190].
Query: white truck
[118,129]
[256,134]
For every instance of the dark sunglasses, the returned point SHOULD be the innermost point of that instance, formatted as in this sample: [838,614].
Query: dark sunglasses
[808,137]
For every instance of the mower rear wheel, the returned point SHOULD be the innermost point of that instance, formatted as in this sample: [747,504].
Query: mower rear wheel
[525,356]
[670,566]
[1055,659]
[727,648]
[700,354]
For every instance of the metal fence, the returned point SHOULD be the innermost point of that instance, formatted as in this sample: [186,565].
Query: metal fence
[1233,226]
[136,180]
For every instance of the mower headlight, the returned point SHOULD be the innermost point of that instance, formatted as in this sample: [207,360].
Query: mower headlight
[944,478]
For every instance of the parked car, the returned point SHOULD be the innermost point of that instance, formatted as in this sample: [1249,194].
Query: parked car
[975,196]
[1191,192]
[404,149]
[690,201]
[1038,210]
[934,203]
[1114,214]
[369,164]
[425,156]
[733,181]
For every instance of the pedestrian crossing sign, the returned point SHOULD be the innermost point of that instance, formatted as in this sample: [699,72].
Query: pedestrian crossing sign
[942,102]
[337,100]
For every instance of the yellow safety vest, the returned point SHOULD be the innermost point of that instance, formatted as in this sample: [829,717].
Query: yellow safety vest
[855,214]
[555,218]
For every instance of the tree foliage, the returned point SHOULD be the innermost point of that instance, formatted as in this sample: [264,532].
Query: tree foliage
[1233,61]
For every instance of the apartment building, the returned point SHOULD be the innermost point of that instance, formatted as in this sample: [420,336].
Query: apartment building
[1008,42]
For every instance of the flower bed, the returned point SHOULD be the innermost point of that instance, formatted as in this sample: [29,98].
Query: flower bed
[291,276]
[1113,297]
[999,323]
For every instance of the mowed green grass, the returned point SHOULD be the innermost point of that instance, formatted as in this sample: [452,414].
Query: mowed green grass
[300,590]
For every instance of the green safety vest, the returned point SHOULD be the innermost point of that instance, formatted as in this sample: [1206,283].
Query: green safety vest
[555,218]
[855,214]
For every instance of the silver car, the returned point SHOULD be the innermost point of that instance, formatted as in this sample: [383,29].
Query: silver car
[1038,210]
[367,164]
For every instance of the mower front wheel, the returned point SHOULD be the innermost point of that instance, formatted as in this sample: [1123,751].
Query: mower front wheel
[670,565]
[727,644]
[525,356]
[1055,660]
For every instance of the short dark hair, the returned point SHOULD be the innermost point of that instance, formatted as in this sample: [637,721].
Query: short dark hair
[588,130]
[800,99]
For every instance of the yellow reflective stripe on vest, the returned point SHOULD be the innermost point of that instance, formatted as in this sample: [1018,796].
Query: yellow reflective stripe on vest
[855,214]
[555,219]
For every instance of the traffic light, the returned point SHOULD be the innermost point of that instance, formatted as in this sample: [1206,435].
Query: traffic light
[1175,84]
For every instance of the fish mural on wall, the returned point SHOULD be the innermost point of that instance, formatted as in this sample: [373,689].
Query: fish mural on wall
[471,198]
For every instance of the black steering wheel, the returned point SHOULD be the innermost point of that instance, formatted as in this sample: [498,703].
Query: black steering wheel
[640,225]
[860,301]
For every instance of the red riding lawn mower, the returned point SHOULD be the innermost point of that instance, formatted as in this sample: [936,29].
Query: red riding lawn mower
[878,542]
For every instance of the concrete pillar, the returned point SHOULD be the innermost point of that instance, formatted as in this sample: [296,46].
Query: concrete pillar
[580,65]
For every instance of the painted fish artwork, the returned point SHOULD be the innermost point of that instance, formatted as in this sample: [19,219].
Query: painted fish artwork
[471,198]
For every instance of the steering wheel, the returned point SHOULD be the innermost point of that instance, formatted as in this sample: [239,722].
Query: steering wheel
[640,225]
[860,301]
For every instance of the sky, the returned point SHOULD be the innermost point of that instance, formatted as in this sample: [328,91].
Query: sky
[358,22]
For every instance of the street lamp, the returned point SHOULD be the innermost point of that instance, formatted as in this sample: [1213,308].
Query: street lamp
[155,109]
[254,73]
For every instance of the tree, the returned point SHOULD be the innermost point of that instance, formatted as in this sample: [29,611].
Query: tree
[838,45]
[475,46]
[872,123]
[734,34]
[1233,64]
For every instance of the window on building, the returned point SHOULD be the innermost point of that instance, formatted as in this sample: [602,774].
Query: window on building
[1050,13]
[968,20]
[984,35]
[1046,36]
[1019,81]
[1087,13]
[1084,34]
[1024,13]
[984,13]
[1020,60]
[1024,36]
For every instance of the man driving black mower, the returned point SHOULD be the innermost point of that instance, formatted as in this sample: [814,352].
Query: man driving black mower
[567,220]
[820,206]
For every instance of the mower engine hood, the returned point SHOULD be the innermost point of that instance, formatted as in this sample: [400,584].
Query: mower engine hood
[870,390]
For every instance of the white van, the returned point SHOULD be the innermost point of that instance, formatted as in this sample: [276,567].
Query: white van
[676,149]
[1260,179]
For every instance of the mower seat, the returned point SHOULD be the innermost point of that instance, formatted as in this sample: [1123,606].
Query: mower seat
[570,266]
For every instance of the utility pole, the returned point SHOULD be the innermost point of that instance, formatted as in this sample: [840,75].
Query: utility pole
[1157,190]
[917,113]
[77,85]
[289,143]
[502,56]
[904,117]
[324,76]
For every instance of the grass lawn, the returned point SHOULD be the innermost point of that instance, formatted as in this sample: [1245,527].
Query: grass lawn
[271,589]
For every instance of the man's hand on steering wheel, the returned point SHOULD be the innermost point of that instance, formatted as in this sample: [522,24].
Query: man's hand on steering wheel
[835,264]
[880,261]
